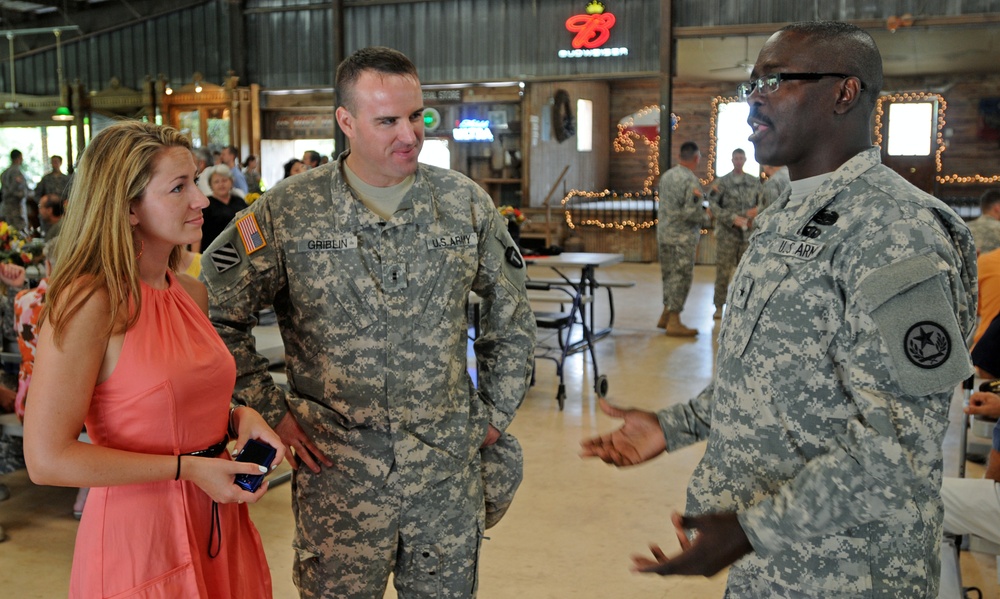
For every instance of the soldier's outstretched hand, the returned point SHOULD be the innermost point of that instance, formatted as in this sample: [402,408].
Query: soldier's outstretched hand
[639,439]
[719,540]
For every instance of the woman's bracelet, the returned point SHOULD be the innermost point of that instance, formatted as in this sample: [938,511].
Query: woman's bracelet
[178,475]
[231,430]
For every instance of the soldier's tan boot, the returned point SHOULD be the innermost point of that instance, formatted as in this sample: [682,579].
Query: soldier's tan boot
[674,327]
[662,323]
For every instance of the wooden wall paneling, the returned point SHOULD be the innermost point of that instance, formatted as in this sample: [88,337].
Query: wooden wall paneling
[628,170]
[546,157]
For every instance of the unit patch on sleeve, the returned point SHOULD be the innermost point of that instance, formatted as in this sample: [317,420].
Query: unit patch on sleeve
[927,344]
[225,257]
[514,257]
[253,239]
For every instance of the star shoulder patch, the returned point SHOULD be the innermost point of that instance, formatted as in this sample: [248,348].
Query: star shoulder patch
[927,345]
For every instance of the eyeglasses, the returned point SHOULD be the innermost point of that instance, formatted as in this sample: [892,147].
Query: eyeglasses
[769,83]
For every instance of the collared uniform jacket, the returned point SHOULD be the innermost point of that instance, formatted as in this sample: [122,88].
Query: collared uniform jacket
[680,211]
[373,319]
[733,195]
[838,357]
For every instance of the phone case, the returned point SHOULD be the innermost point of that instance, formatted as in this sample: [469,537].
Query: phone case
[257,453]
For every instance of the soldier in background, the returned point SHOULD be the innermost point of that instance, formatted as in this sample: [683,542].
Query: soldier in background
[53,186]
[986,228]
[369,262]
[734,200]
[680,217]
[311,158]
[13,192]
[837,358]
[776,184]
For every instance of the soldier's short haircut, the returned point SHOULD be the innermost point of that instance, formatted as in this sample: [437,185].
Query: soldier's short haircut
[739,151]
[688,150]
[15,154]
[379,59]
[989,199]
[852,51]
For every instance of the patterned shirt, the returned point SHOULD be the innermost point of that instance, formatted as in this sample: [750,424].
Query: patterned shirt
[28,306]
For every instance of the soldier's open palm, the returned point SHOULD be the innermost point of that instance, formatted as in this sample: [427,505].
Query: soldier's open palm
[639,439]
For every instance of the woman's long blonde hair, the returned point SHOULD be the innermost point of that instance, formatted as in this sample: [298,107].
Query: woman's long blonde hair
[96,247]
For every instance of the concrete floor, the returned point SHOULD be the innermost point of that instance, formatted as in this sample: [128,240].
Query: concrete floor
[574,523]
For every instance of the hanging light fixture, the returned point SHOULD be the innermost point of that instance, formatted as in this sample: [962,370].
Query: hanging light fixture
[63,113]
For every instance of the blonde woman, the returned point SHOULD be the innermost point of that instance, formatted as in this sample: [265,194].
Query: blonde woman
[125,346]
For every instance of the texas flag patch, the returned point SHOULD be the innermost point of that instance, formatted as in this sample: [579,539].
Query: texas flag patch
[250,233]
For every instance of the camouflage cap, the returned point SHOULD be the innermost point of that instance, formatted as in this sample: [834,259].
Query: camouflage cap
[503,469]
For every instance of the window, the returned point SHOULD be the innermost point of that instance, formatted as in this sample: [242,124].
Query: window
[37,149]
[435,152]
[731,132]
[911,128]
[584,125]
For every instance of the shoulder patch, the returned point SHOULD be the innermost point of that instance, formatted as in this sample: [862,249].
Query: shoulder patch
[514,257]
[913,309]
[253,239]
[225,257]
[927,344]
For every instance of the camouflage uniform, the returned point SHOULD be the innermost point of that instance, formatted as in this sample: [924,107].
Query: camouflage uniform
[373,319]
[53,183]
[775,185]
[835,370]
[732,195]
[986,232]
[680,216]
[13,190]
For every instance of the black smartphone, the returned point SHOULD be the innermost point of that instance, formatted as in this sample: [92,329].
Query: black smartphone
[257,453]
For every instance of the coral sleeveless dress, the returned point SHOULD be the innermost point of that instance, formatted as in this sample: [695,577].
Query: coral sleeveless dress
[168,395]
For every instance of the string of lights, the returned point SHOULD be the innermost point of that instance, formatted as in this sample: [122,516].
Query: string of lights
[939,135]
[625,142]
[714,140]
[612,225]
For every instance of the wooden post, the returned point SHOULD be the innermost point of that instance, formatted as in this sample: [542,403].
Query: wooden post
[667,59]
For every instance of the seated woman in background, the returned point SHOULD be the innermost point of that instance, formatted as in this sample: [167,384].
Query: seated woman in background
[222,206]
[252,173]
[27,309]
[125,346]
[294,167]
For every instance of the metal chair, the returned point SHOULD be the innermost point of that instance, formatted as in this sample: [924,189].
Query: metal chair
[562,322]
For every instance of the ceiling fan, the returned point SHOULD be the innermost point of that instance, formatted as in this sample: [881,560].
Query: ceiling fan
[745,65]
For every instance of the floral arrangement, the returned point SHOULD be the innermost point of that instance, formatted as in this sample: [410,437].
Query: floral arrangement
[252,197]
[512,214]
[14,248]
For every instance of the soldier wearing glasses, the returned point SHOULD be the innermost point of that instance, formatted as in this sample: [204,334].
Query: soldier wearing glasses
[842,343]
